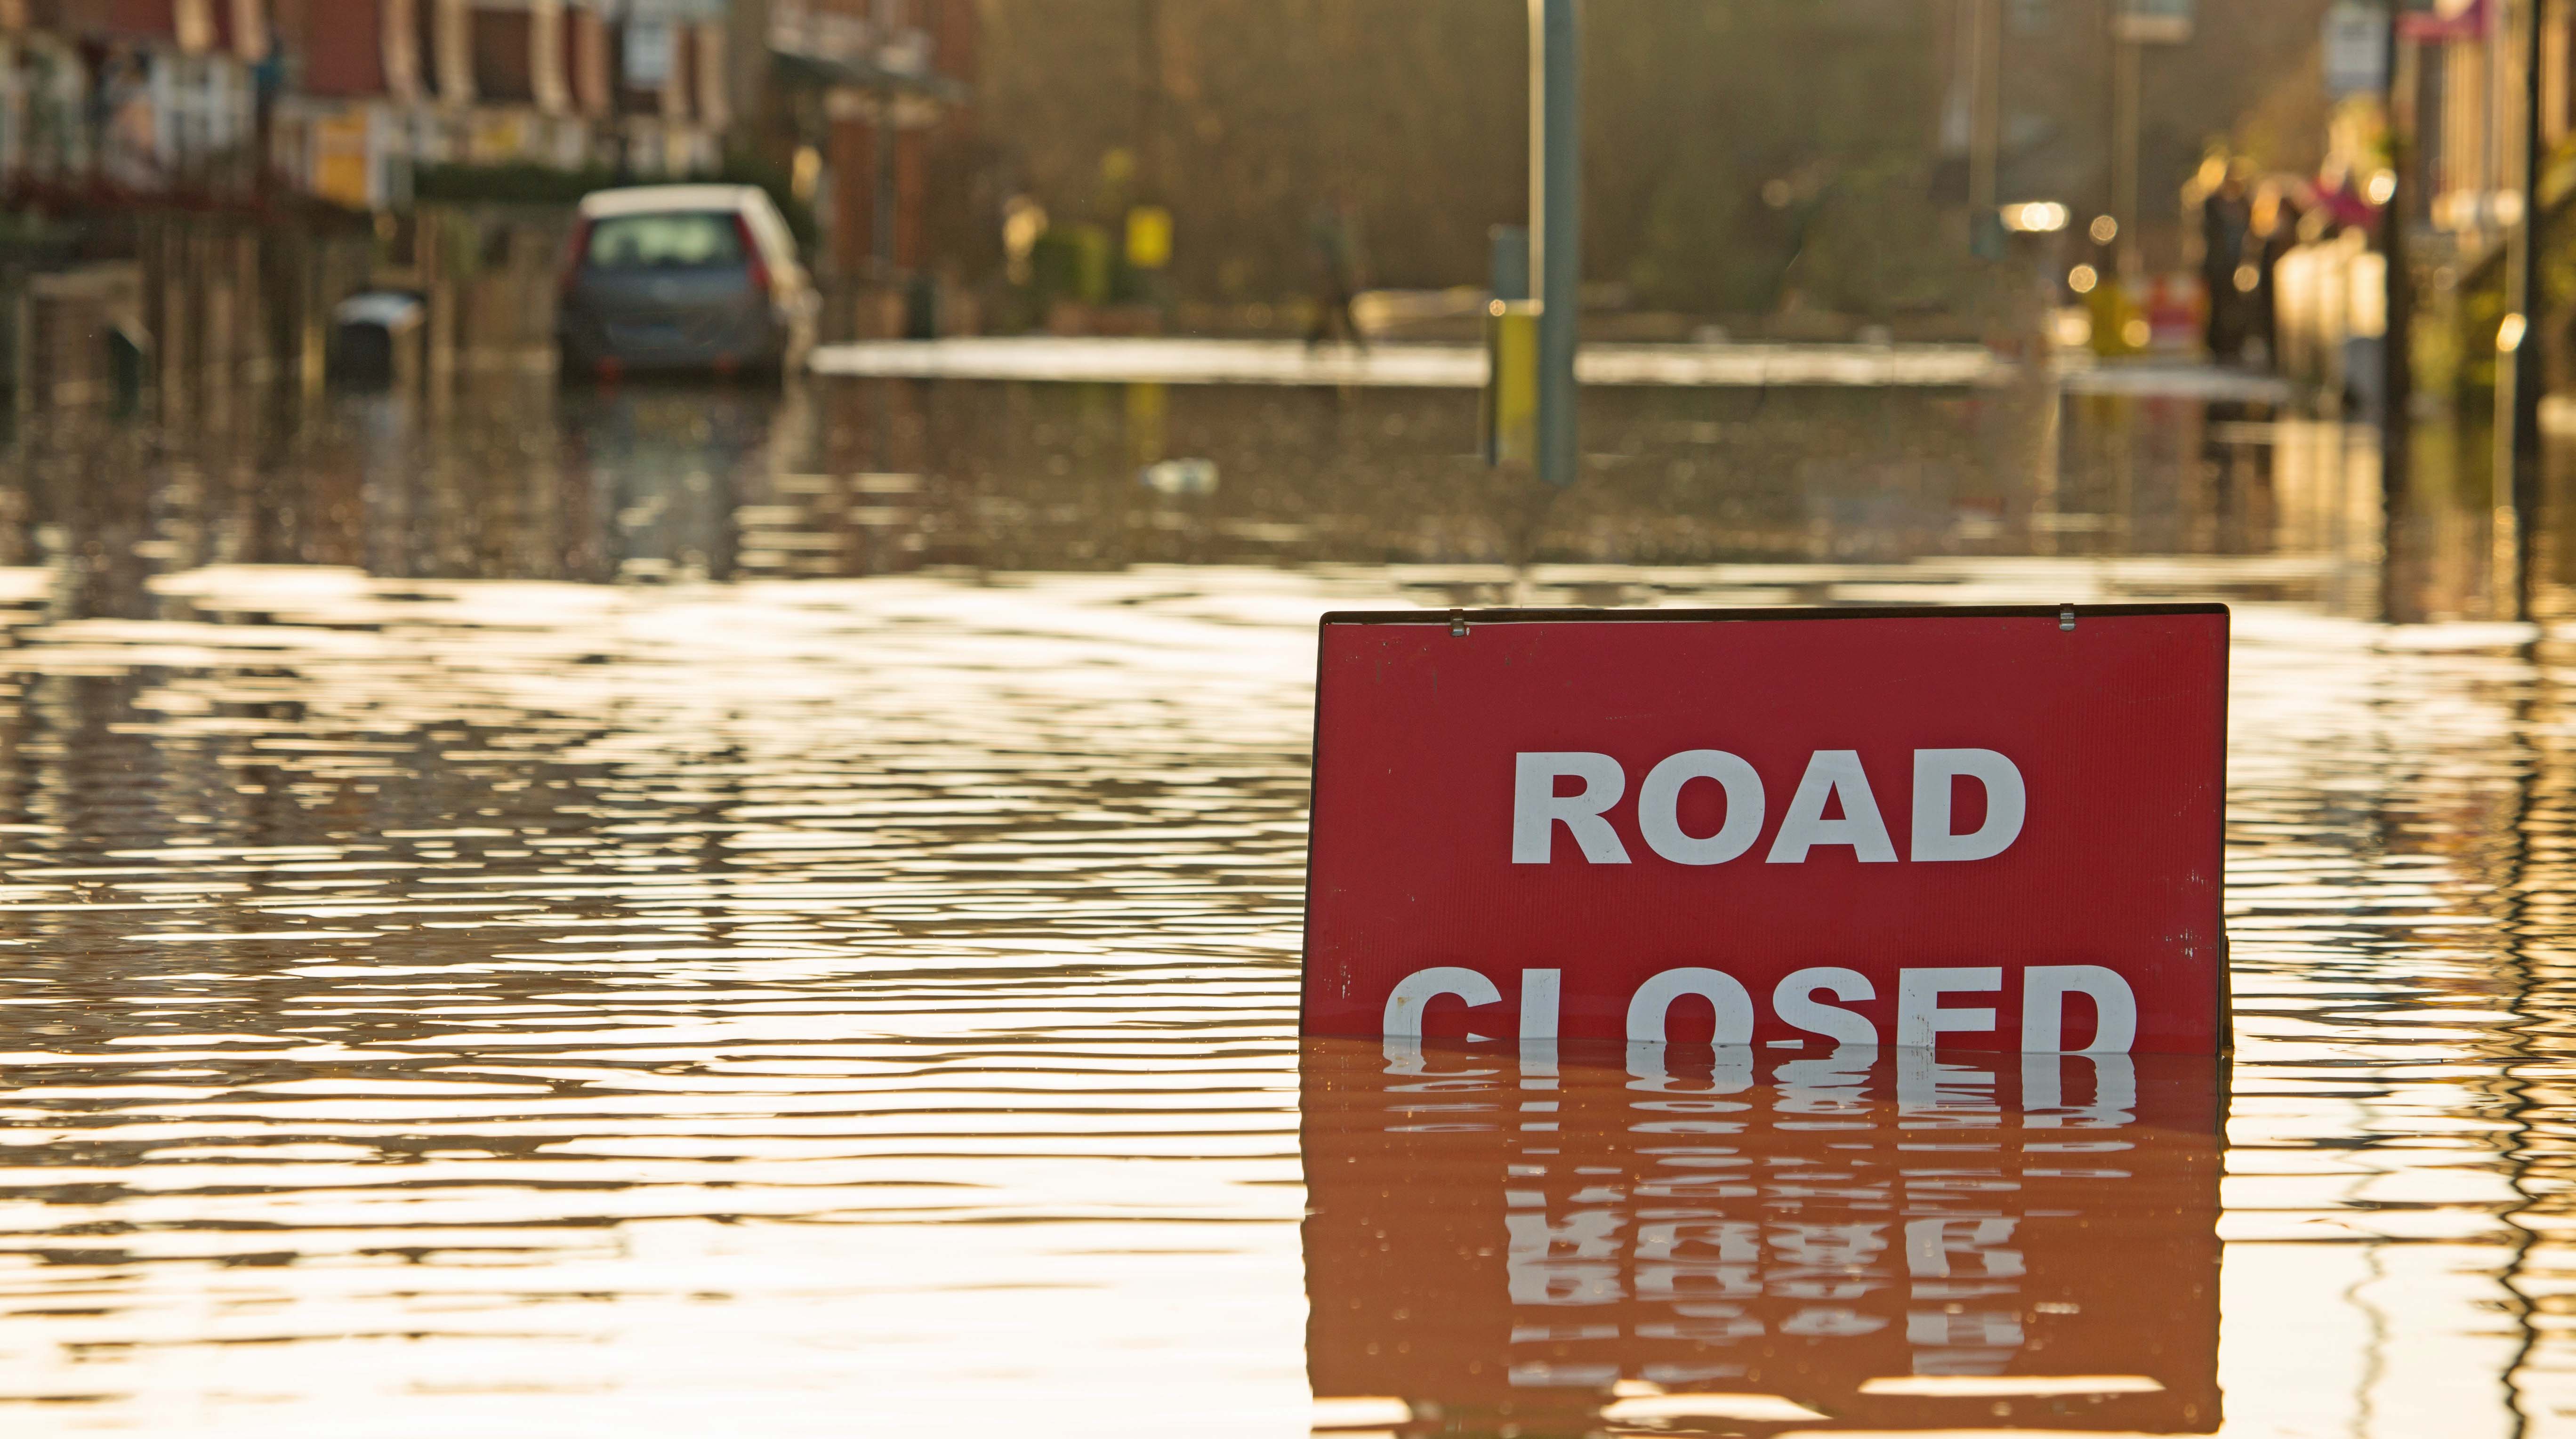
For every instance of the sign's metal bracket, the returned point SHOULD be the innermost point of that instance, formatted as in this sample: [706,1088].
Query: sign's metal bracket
[1457,624]
[2066,617]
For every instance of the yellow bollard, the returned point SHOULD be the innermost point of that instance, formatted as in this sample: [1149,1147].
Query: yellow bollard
[1511,382]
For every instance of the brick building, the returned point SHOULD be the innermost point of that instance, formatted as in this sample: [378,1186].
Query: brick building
[869,102]
[344,98]
[637,86]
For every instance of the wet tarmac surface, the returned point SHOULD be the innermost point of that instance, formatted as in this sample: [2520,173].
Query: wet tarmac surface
[672,912]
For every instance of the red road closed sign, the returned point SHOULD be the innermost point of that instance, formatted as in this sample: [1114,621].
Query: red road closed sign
[1991,829]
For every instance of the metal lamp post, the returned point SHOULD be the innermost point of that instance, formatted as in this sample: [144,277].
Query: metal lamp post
[1556,226]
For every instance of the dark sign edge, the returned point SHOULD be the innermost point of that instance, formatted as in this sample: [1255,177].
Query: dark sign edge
[1782,612]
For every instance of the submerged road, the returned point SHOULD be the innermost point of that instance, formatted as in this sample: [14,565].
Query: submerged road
[1181,361]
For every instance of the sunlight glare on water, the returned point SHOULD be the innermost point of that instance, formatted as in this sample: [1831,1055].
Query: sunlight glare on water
[568,1009]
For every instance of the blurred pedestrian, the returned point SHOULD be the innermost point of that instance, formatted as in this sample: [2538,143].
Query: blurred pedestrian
[1334,232]
[2226,221]
[2338,193]
[2275,232]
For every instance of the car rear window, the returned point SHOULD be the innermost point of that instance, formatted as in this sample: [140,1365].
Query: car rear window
[681,240]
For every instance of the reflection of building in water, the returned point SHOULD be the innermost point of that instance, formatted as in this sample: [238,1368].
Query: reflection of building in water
[505,476]
[662,470]
[1857,1237]
[2325,479]
[842,491]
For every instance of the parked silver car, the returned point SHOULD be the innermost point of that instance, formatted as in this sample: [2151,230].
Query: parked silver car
[682,277]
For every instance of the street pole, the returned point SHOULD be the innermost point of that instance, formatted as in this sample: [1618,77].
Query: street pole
[1985,107]
[2397,373]
[881,223]
[1149,103]
[1556,226]
[2529,355]
[2127,82]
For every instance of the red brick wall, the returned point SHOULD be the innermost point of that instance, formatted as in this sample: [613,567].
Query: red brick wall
[343,44]
[504,47]
[853,161]
[956,34]
[142,19]
[911,195]
[589,73]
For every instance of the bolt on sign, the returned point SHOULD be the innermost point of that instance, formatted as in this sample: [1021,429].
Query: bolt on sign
[1989,829]
[1875,1240]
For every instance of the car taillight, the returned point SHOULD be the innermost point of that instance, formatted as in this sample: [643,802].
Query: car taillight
[758,267]
[576,250]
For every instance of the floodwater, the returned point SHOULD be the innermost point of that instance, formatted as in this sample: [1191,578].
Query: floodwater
[681,912]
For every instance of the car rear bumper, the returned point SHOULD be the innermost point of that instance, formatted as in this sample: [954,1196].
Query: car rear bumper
[714,343]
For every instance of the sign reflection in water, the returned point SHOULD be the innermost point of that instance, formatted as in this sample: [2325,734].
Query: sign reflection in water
[1817,1238]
